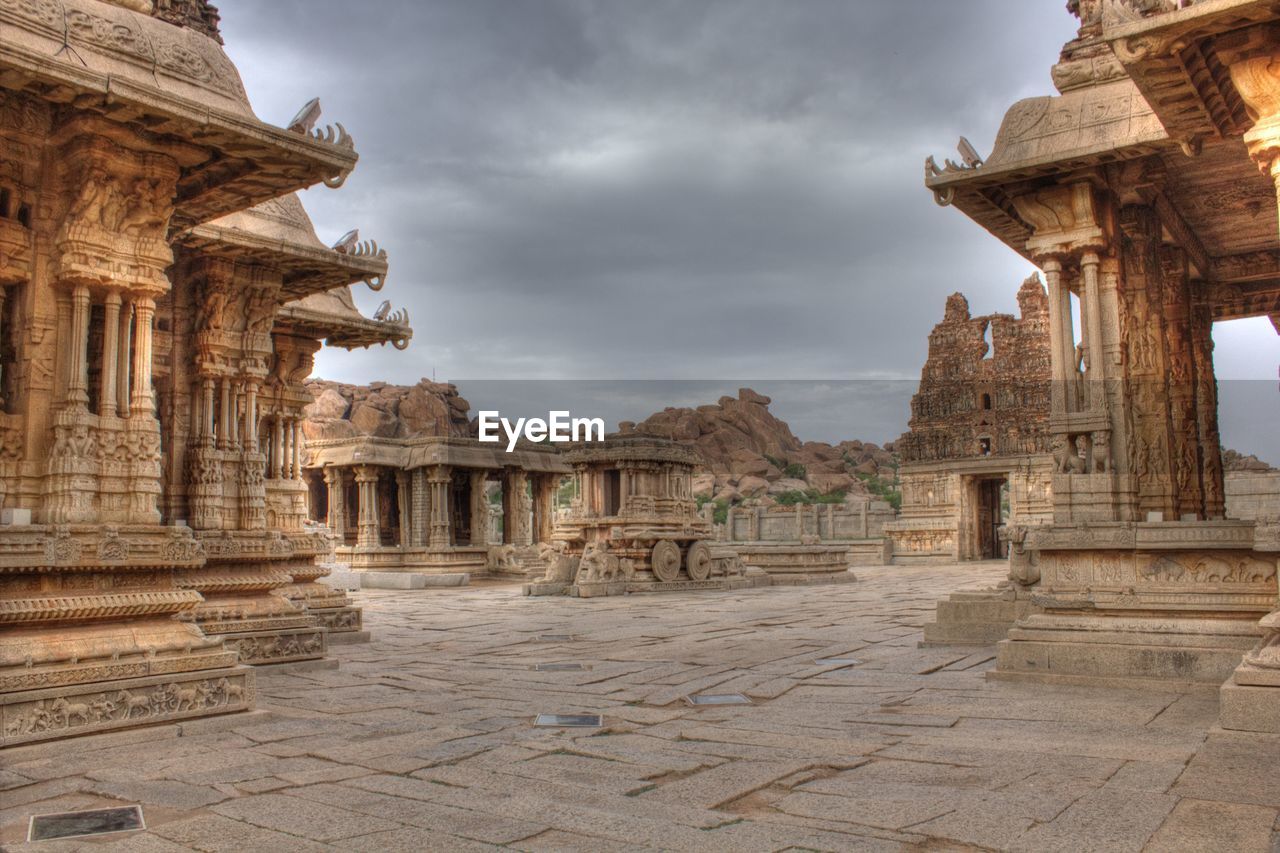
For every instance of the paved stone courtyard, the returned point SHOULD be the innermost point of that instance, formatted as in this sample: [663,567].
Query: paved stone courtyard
[424,739]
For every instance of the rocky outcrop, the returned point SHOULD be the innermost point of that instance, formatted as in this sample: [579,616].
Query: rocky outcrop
[1233,460]
[384,411]
[751,454]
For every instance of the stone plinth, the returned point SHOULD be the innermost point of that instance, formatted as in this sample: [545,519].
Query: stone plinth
[795,558]
[90,639]
[245,584]
[1141,603]
[977,617]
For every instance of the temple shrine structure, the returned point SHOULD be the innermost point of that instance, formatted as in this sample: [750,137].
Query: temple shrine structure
[1146,191]
[153,502]
[976,458]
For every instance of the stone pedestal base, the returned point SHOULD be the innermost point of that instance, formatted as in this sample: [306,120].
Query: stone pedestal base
[36,715]
[338,620]
[455,559]
[598,589]
[1249,707]
[346,638]
[411,580]
[1090,497]
[286,646]
[1124,650]
[870,552]
[977,618]
[794,558]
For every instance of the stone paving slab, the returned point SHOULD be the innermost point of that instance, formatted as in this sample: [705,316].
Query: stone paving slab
[423,739]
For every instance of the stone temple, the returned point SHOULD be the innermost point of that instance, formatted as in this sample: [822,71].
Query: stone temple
[170,501]
[1138,191]
[976,458]
[159,280]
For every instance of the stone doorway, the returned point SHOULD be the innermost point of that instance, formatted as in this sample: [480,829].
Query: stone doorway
[984,510]
[993,512]
[460,508]
[612,492]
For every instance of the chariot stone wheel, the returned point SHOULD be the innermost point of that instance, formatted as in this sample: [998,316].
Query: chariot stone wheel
[665,560]
[698,561]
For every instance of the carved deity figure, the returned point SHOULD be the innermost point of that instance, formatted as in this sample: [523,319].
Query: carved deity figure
[149,209]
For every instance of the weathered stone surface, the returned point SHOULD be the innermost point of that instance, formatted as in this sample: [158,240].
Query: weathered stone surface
[428,729]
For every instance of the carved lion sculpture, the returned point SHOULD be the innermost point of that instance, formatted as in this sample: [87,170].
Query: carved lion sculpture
[561,568]
[597,563]
[1101,453]
[1066,460]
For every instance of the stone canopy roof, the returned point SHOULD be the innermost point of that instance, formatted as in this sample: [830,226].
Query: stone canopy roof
[317,278]
[176,85]
[280,233]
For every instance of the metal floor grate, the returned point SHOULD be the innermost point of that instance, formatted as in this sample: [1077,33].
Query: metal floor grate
[718,699]
[583,721]
[45,827]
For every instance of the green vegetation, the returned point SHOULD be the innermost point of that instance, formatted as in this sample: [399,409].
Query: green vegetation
[809,496]
[566,493]
[721,514]
[887,490]
[794,470]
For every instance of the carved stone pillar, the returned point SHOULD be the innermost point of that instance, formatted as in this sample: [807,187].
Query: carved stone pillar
[1187,497]
[110,354]
[441,478]
[404,501]
[421,516]
[516,521]
[224,414]
[479,507]
[205,429]
[286,448]
[78,376]
[125,347]
[544,495]
[296,441]
[144,312]
[1091,303]
[251,415]
[334,479]
[1206,389]
[277,447]
[367,495]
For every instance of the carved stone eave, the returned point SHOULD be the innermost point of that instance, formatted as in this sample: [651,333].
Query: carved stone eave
[426,451]
[346,332]
[1173,62]
[1049,138]
[249,161]
[305,269]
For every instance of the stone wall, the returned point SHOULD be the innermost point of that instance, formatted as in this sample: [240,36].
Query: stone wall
[864,519]
[1252,495]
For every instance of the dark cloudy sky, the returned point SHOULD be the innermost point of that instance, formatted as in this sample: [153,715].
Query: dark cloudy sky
[664,189]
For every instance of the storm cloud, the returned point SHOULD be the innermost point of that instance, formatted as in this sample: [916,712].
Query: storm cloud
[667,189]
